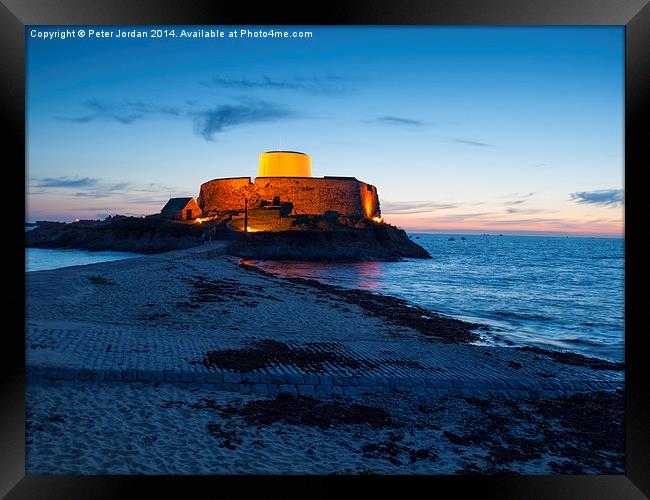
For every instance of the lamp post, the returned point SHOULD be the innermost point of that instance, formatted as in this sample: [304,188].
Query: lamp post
[246,215]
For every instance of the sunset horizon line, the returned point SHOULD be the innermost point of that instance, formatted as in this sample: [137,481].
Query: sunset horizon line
[460,231]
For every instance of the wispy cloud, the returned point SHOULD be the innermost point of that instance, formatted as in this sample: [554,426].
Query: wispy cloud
[104,191]
[86,187]
[63,182]
[124,112]
[217,120]
[605,197]
[512,210]
[456,218]
[207,122]
[398,121]
[560,223]
[134,193]
[414,207]
[518,199]
[472,143]
[313,84]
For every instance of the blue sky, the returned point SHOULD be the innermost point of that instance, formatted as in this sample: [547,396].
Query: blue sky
[487,129]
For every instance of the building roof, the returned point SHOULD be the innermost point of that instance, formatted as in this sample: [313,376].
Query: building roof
[176,204]
[292,152]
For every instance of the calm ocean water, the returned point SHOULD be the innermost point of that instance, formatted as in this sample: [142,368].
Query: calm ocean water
[551,292]
[41,259]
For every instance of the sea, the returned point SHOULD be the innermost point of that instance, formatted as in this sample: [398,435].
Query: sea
[42,259]
[552,292]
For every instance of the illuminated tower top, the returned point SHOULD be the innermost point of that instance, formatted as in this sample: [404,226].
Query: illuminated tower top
[284,164]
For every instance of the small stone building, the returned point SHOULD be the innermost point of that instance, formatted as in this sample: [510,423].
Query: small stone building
[181,209]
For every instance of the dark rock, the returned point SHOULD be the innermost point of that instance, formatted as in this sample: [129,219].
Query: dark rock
[123,234]
[372,242]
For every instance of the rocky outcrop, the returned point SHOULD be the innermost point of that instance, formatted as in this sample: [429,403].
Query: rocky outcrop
[123,234]
[315,238]
[375,242]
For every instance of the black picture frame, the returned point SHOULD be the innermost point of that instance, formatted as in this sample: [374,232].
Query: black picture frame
[16,14]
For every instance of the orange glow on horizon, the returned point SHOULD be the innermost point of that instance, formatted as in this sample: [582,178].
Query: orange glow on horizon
[610,230]
[491,226]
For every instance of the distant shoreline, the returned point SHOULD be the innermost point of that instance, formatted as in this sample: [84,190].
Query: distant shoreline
[463,233]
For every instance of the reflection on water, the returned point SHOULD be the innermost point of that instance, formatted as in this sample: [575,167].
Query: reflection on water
[556,292]
[362,275]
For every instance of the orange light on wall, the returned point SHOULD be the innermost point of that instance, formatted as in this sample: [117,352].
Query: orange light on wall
[200,220]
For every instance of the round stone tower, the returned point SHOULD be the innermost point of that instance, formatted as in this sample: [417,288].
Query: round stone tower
[284,164]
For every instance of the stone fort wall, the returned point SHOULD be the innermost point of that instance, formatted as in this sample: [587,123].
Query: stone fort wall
[345,195]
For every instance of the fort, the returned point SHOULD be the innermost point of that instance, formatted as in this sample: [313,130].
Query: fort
[285,187]
[282,214]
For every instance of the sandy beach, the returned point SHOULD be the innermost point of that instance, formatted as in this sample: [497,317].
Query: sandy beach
[194,362]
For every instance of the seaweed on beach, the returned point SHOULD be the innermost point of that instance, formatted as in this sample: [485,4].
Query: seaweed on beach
[97,279]
[153,316]
[225,290]
[393,310]
[584,431]
[423,454]
[229,439]
[593,419]
[172,404]
[308,411]
[186,305]
[570,358]
[391,449]
[268,352]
